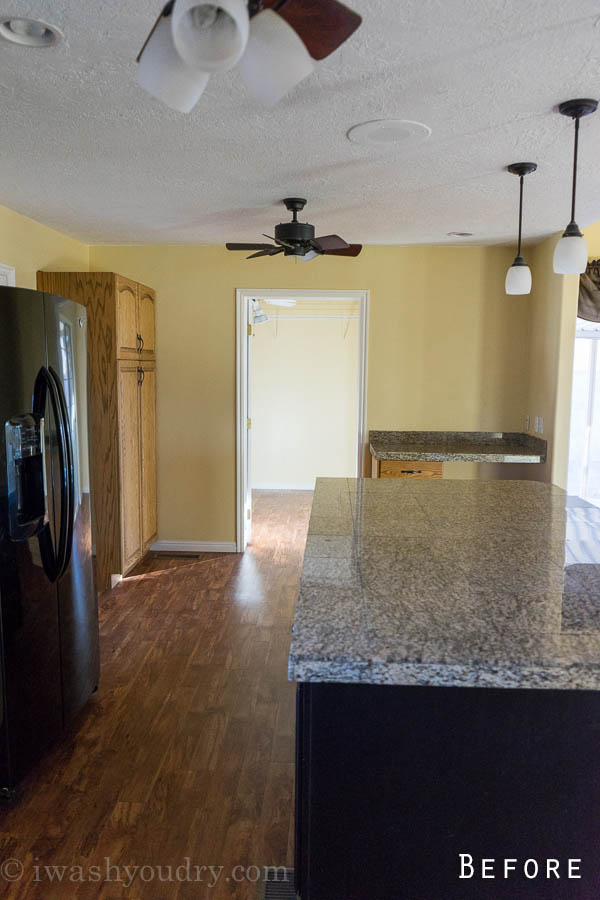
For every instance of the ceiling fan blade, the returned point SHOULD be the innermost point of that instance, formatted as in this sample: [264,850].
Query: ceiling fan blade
[249,246]
[323,25]
[281,243]
[350,250]
[271,252]
[331,242]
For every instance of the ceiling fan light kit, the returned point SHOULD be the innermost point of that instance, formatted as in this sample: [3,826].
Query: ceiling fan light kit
[275,45]
[162,72]
[518,277]
[570,253]
[276,59]
[210,36]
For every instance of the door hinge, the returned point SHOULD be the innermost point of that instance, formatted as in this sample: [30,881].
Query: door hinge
[248,423]
[249,330]
[249,514]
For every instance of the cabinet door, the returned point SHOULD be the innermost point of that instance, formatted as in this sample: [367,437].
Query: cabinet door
[148,453]
[127,318]
[129,450]
[146,302]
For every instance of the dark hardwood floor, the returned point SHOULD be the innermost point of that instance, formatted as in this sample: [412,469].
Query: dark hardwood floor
[186,751]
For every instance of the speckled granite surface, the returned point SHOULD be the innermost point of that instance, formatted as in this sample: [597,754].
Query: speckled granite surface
[458,446]
[466,583]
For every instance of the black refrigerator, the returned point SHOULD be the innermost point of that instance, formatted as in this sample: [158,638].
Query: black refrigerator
[49,659]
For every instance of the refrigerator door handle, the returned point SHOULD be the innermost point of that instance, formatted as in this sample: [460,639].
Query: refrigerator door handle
[68,472]
[53,560]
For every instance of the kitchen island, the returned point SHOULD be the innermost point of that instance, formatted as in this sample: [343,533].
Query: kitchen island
[447,649]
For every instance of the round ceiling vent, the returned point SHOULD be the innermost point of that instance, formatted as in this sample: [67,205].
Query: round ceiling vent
[383,132]
[29,32]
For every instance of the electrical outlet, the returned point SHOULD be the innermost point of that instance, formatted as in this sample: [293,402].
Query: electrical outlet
[527,422]
[536,424]
[541,424]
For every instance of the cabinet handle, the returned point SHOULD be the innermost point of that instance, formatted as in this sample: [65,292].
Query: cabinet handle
[139,342]
[411,471]
[140,380]
[142,340]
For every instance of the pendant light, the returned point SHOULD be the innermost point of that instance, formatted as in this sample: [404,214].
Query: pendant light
[518,277]
[570,254]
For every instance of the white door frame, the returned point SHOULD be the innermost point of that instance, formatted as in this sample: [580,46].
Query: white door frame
[243,296]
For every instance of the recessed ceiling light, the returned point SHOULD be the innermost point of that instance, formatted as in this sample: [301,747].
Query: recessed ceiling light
[28,32]
[460,234]
[389,131]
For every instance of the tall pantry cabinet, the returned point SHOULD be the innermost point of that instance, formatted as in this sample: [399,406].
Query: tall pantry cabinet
[122,412]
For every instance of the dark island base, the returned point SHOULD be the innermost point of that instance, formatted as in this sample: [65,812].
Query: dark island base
[394,783]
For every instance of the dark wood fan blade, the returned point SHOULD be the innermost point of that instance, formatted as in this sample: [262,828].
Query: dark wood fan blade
[323,25]
[277,241]
[331,242]
[271,252]
[249,246]
[350,250]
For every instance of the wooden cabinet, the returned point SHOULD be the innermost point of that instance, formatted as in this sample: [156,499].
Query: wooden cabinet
[129,462]
[122,413]
[135,319]
[405,468]
[145,318]
[147,414]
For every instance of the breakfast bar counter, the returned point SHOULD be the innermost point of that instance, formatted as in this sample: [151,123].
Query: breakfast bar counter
[394,452]
[446,646]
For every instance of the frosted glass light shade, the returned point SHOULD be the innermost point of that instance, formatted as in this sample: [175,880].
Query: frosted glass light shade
[518,279]
[162,72]
[312,254]
[210,36]
[275,60]
[570,255]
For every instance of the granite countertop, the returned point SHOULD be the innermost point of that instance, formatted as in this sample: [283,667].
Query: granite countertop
[465,583]
[459,446]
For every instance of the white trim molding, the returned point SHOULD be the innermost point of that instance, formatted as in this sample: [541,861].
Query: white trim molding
[194,547]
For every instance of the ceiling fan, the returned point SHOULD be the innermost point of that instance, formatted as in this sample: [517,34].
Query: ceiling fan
[275,43]
[298,239]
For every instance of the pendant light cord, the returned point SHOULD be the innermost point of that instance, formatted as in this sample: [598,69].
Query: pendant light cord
[575,169]
[521,179]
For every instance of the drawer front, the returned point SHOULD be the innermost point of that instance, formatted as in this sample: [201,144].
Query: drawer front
[409,468]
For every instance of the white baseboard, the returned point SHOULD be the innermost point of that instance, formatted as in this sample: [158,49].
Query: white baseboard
[194,547]
[284,486]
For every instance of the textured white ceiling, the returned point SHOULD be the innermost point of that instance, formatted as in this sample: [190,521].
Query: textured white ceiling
[85,150]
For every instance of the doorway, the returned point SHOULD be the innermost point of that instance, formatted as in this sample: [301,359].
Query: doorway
[584,441]
[301,391]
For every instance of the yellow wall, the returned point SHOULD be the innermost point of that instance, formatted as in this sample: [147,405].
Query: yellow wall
[447,350]
[29,246]
[592,236]
[550,348]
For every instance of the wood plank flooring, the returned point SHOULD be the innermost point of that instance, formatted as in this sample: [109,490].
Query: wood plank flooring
[186,751]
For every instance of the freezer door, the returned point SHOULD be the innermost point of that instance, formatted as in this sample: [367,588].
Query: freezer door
[66,333]
[31,701]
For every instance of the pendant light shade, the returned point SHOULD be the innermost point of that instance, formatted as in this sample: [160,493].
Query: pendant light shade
[210,36]
[163,73]
[571,253]
[518,277]
[275,60]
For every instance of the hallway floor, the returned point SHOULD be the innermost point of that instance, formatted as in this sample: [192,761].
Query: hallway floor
[187,750]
